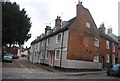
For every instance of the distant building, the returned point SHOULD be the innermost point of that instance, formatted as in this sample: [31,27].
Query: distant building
[23,52]
[76,44]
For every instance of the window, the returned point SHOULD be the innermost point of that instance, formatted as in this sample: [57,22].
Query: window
[48,41]
[58,39]
[46,55]
[113,47]
[96,58]
[41,53]
[88,24]
[96,42]
[107,44]
[107,58]
[57,54]
[42,44]
[36,46]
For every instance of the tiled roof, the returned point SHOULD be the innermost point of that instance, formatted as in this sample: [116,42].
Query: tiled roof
[54,33]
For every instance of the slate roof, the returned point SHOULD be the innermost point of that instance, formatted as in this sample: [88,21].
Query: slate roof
[107,37]
[56,32]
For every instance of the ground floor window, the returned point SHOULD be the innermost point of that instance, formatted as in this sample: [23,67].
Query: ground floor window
[107,58]
[47,54]
[57,54]
[96,58]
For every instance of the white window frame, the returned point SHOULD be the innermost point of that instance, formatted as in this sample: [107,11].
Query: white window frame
[56,53]
[36,46]
[113,47]
[107,58]
[58,41]
[48,41]
[88,24]
[42,43]
[107,44]
[96,58]
[41,55]
[96,43]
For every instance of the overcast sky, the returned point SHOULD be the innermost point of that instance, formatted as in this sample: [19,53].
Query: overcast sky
[44,12]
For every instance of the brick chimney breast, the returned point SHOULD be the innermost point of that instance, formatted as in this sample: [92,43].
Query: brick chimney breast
[79,8]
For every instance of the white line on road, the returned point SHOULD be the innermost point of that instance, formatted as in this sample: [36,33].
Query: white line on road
[26,69]
[22,66]
[32,69]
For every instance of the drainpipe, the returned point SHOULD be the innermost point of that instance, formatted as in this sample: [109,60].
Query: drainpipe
[61,49]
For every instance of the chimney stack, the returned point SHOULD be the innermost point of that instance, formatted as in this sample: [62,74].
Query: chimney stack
[102,28]
[109,30]
[47,28]
[79,8]
[58,21]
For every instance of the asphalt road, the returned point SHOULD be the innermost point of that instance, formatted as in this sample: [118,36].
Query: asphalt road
[21,69]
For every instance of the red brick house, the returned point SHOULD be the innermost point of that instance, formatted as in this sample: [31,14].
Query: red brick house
[108,47]
[77,45]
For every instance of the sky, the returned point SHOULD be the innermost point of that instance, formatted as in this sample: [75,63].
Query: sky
[44,12]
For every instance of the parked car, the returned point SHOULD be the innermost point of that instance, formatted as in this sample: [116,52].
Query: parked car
[15,57]
[7,58]
[114,69]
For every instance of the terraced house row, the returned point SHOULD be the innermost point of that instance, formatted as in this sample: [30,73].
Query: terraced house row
[76,44]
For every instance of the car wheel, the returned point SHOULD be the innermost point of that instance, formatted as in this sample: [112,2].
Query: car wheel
[108,73]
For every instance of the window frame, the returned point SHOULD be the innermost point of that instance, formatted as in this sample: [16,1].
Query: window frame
[46,55]
[48,41]
[42,43]
[58,41]
[113,47]
[96,44]
[88,25]
[96,58]
[107,58]
[107,44]
[56,54]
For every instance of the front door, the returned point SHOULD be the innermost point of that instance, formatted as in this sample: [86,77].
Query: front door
[102,65]
[51,60]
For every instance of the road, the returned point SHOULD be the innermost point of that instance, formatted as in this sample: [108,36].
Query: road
[21,69]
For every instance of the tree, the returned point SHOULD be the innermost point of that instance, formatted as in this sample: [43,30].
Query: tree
[15,24]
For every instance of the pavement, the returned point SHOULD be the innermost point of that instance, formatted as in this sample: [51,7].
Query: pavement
[52,69]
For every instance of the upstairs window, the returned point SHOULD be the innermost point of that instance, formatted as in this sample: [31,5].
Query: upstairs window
[107,44]
[88,24]
[42,43]
[96,42]
[113,47]
[48,41]
[58,39]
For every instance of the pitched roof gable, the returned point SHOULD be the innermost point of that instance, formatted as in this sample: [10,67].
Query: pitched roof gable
[54,33]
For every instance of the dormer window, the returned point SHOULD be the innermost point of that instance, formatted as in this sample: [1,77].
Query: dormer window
[88,24]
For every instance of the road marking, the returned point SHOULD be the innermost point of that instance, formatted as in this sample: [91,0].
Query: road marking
[26,69]
[32,69]
[22,66]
